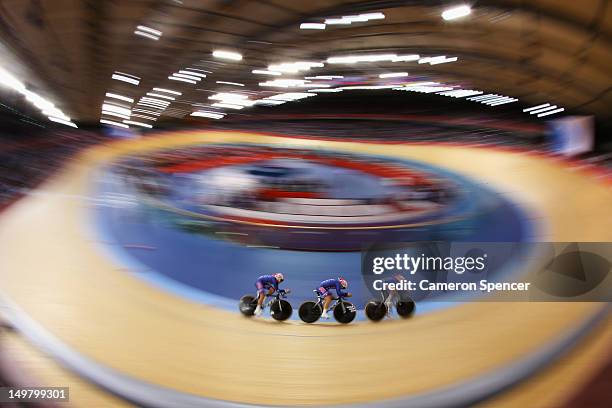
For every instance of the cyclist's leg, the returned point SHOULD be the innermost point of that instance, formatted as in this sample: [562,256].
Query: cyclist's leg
[392,297]
[390,300]
[326,301]
[261,295]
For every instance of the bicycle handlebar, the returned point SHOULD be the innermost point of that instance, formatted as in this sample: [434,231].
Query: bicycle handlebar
[333,297]
[280,293]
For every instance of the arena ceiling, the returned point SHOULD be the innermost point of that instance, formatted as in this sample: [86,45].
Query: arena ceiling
[539,51]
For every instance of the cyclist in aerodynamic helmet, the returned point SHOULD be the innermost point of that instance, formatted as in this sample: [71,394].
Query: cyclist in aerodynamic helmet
[266,285]
[324,288]
[392,296]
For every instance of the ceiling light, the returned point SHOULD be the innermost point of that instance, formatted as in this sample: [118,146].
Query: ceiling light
[152,109]
[227,55]
[149,30]
[460,93]
[312,26]
[114,108]
[198,69]
[290,96]
[393,75]
[481,98]
[424,88]
[309,64]
[192,77]
[199,74]
[152,102]
[325,77]
[148,98]
[174,78]
[119,115]
[502,102]
[283,83]
[314,85]
[294,66]
[230,83]
[536,107]
[428,60]
[170,91]
[48,108]
[130,79]
[336,21]
[551,112]
[373,16]
[266,72]
[241,102]
[227,95]
[7,79]
[358,87]
[325,90]
[62,121]
[404,58]
[147,35]
[110,122]
[351,59]
[543,109]
[117,104]
[120,97]
[37,100]
[355,18]
[494,99]
[442,61]
[148,112]
[205,114]
[269,102]
[456,12]
[56,113]
[161,96]
[151,105]
[227,105]
[144,116]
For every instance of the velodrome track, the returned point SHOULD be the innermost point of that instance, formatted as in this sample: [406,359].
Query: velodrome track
[155,348]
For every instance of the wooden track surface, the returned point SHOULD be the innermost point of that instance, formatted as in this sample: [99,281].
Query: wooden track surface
[561,380]
[52,269]
[24,365]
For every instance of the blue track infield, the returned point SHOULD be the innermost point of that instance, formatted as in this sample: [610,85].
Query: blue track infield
[218,272]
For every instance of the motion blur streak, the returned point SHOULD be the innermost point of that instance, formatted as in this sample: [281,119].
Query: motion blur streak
[162,161]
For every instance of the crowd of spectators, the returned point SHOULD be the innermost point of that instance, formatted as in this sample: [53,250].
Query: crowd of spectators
[27,162]
[390,130]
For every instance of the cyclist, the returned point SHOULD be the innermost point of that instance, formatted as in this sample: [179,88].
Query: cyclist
[393,296]
[324,291]
[266,285]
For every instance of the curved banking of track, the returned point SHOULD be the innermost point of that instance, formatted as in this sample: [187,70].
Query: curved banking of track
[138,339]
